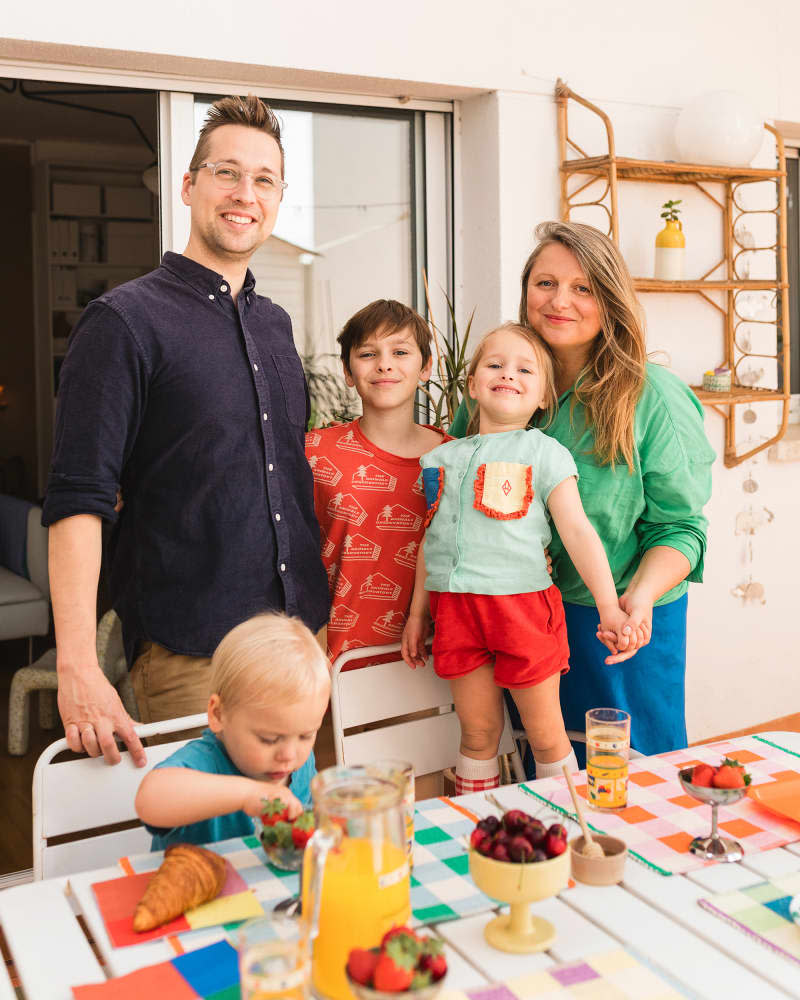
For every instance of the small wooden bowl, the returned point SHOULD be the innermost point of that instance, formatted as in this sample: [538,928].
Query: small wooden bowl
[599,871]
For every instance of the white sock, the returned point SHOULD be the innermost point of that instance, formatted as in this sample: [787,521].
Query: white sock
[476,775]
[553,768]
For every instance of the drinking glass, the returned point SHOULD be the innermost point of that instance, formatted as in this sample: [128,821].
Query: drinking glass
[274,958]
[608,745]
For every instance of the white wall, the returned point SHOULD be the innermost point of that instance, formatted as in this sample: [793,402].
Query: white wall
[642,63]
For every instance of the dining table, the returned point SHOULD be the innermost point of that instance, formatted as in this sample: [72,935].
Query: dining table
[57,939]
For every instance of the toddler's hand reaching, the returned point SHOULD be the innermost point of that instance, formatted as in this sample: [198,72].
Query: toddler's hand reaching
[253,801]
[415,633]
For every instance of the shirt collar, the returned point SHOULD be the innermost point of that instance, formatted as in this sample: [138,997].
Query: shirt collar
[202,279]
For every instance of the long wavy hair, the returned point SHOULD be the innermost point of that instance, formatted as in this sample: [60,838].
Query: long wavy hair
[611,382]
[546,369]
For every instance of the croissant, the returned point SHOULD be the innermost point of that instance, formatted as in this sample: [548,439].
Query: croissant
[188,876]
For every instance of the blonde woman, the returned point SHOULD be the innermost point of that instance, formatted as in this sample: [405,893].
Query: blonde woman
[644,463]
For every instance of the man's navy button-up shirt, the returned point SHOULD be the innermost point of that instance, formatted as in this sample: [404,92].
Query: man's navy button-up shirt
[195,407]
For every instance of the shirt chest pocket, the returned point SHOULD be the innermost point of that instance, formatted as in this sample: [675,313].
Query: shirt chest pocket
[504,490]
[293,384]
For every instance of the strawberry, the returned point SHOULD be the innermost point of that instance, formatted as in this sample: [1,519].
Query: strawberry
[432,959]
[702,774]
[361,964]
[408,938]
[282,831]
[394,970]
[730,774]
[514,821]
[302,829]
[275,811]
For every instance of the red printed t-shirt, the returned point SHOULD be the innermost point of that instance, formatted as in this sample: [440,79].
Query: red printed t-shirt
[371,509]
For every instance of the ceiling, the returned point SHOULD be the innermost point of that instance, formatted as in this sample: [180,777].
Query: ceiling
[28,120]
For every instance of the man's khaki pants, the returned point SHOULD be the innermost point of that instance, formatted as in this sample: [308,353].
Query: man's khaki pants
[170,685]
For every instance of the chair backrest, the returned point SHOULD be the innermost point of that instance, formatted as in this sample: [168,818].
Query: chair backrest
[382,694]
[77,797]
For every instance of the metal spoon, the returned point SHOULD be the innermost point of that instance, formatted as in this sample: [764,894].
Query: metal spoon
[591,849]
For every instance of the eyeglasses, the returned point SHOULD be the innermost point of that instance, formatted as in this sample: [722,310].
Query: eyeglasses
[228,177]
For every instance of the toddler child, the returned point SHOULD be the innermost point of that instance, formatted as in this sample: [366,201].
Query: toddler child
[270,685]
[499,622]
[366,494]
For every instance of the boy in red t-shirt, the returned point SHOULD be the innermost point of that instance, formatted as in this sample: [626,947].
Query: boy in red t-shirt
[368,500]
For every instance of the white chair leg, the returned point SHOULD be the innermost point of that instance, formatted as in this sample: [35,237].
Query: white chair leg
[47,709]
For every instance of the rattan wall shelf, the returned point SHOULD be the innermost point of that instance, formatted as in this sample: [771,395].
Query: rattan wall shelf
[609,169]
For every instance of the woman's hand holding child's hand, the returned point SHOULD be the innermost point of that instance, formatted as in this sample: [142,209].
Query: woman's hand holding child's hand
[616,632]
[253,801]
[415,633]
[638,613]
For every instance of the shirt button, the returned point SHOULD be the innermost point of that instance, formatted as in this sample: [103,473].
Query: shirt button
[223,288]
[211,296]
[455,518]
[270,466]
[283,567]
[277,517]
[265,417]
[255,368]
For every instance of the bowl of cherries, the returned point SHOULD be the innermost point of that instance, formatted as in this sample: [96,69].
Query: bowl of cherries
[518,860]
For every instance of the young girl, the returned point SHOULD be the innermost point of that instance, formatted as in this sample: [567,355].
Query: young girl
[499,620]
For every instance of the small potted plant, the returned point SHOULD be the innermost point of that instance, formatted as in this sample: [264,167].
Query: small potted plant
[670,244]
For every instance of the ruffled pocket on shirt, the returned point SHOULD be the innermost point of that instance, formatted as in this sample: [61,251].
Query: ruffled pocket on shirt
[504,490]
[433,484]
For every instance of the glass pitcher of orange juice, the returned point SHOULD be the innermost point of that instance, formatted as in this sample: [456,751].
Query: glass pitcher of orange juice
[355,869]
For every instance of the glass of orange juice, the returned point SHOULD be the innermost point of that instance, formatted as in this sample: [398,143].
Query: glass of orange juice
[608,745]
[355,869]
[274,958]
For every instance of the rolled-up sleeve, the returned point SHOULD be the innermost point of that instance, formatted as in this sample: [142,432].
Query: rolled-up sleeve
[101,399]
[676,460]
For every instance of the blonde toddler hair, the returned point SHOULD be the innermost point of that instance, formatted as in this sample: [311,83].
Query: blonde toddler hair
[546,369]
[270,659]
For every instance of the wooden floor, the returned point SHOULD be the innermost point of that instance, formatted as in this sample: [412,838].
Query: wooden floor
[16,773]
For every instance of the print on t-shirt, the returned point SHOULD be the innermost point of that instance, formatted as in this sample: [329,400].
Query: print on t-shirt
[370,509]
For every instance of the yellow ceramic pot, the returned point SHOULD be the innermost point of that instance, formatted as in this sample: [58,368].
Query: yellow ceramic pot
[670,251]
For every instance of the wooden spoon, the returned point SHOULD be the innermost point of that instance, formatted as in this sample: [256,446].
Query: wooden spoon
[591,849]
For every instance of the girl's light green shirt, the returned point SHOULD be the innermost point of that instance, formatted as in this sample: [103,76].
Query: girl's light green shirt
[660,503]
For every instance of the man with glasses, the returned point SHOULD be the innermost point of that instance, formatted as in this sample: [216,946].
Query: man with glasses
[183,391]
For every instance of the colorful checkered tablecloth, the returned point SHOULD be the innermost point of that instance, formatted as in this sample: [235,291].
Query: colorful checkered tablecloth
[441,887]
[661,820]
[762,912]
[609,975]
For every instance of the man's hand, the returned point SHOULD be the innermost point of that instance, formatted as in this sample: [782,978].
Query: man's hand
[253,800]
[415,633]
[92,712]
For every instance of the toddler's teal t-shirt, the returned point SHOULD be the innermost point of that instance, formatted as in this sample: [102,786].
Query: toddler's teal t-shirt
[208,754]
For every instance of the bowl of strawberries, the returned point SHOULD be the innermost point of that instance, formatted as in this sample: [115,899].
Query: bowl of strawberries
[723,785]
[518,860]
[404,962]
[284,840]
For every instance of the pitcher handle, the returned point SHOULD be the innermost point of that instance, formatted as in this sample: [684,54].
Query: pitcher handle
[316,854]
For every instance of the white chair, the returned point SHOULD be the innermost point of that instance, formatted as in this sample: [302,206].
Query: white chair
[77,797]
[382,694]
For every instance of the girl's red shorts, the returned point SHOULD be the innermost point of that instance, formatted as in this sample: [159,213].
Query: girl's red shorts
[525,635]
